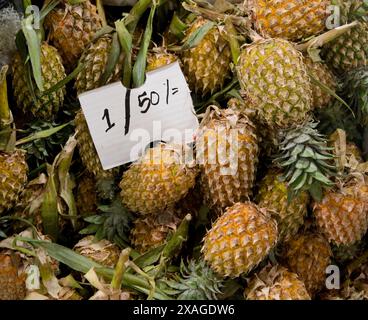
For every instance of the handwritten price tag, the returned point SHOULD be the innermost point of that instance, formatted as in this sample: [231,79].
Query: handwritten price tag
[123,122]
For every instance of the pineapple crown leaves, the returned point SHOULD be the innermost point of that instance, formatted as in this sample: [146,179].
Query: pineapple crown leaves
[355,89]
[306,159]
[44,139]
[196,282]
[113,224]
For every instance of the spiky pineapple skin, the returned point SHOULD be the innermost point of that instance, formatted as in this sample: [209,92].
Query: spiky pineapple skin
[207,66]
[157,180]
[290,20]
[308,255]
[225,182]
[13,178]
[103,251]
[71,28]
[349,51]
[95,59]
[273,195]
[150,232]
[87,150]
[52,70]
[323,74]
[275,81]
[239,240]
[342,215]
[276,283]
[86,196]
[12,284]
[159,59]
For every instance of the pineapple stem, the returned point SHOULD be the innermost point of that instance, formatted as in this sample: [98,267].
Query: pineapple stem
[326,37]
[101,12]
[5,113]
[120,269]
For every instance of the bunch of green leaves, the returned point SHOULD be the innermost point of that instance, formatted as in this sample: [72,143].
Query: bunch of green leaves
[113,223]
[44,140]
[306,160]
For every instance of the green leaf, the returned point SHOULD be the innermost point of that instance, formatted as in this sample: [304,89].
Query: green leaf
[49,208]
[308,153]
[42,134]
[149,258]
[177,27]
[300,182]
[315,191]
[66,184]
[112,60]
[197,35]
[126,43]
[91,229]
[139,69]
[34,50]
[96,219]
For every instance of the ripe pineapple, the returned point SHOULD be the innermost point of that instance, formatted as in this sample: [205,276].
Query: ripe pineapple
[342,214]
[239,240]
[275,81]
[158,58]
[71,28]
[86,197]
[320,72]
[151,231]
[290,20]
[12,282]
[87,150]
[158,179]
[350,50]
[308,255]
[45,107]
[275,283]
[273,195]
[227,151]
[95,58]
[196,282]
[13,178]
[207,65]
[103,252]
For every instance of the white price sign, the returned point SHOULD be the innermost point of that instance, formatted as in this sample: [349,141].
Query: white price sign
[122,121]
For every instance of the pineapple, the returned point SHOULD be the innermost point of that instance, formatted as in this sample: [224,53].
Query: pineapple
[13,178]
[320,72]
[45,106]
[86,197]
[196,282]
[308,255]
[343,254]
[273,195]
[275,283]
[275,81]
[239,240]
[151,231]
[158,58]
[291,20]
[207,65]
[342,213]
[103,252]
[350,50]
[71,28]
[12,282]
[226,181]
[95,59]
[87,150]
[158,179]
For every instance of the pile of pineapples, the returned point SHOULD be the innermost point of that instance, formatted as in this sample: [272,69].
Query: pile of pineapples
[290,222]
